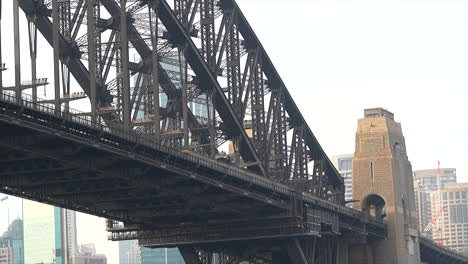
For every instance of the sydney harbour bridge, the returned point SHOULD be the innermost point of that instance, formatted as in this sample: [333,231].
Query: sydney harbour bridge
[186,136]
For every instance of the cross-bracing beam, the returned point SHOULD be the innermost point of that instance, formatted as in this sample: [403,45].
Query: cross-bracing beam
[281,145]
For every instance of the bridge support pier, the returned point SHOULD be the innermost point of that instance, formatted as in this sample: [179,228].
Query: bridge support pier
[361,253]
[280,257]
[295,252]
[342,252]
[190,255]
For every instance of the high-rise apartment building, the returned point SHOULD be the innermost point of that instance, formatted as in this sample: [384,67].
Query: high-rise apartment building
[69,222]
[451,228]
[11,251]
[6,254]
[131,253]
[426,181]
[49,234]
[343,164]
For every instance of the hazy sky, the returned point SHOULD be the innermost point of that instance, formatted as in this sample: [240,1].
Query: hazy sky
[339,57]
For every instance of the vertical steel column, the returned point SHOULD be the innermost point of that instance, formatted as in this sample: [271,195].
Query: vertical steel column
[183,80]
[17,51]
[272,132]
[233,64]
[282,143]
[92,58]
[125,74]
[209,51]
[211,121]
[32,33]
[207,33]
[257,106]
[276,137]
[153,18]
[118,69]
[298,160]
[55,41]
[317,176]
[181,10]
[65,30]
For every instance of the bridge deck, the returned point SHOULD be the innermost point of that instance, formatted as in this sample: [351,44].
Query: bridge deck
[128,177]
[432,252]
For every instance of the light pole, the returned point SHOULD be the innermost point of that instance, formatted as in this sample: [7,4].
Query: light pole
[5,198]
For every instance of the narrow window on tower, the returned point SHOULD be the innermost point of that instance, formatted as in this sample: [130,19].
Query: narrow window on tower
[372,171]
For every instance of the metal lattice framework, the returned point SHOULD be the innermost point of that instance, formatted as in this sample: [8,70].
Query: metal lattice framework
[190,76]
[219,86]
[189,136]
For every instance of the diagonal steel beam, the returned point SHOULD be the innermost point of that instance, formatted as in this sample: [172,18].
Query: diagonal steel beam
[276,82]
[201,69]
[207,79]
[69,50]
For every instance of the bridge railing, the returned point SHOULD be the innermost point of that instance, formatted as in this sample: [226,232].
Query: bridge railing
[429,244]
[79,117]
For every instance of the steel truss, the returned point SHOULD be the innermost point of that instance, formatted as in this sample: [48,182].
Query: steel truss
[219,87]
[184,53]
[170,87]
[163,197]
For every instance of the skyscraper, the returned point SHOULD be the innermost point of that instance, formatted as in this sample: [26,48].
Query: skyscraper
[451,227]
[343,164]
[131,253]
[69,222]
[49,233]
[426,181]
[11,244]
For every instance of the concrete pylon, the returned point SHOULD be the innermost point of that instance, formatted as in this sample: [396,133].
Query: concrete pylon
[383,185]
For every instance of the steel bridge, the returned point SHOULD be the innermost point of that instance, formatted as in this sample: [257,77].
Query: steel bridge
[187,136]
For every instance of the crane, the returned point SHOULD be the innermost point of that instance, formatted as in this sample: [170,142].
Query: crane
[428,228]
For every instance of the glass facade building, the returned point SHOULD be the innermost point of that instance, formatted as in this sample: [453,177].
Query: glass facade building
[49,234]
[42,233]
[131,253]
[161,256]
[11,243]
[343,163]
[17,245]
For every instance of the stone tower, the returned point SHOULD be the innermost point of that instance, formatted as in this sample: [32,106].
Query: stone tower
[383,185]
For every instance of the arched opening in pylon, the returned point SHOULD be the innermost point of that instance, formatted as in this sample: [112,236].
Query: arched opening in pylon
[374,205]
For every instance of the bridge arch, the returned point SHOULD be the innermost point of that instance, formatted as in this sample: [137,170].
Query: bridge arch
[375,205]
